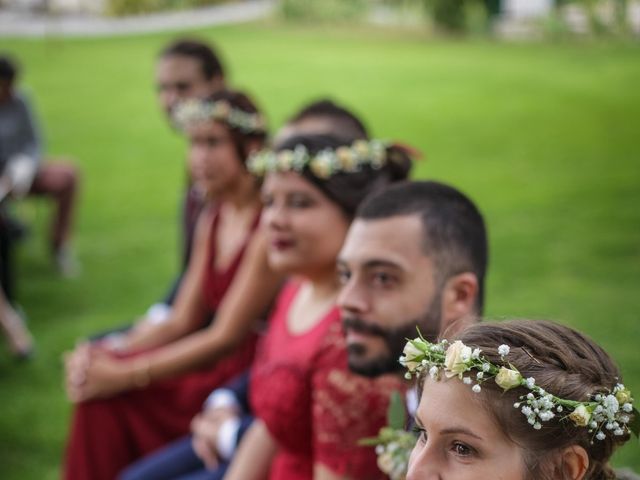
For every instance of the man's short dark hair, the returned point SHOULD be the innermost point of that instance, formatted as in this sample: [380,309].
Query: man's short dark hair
[343,119]
[8,69]
[455,233]
[203,53]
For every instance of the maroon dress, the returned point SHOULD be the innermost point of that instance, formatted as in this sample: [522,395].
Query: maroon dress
[107,435]
[310,402]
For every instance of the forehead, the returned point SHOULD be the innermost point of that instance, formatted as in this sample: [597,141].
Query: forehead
[206,128]
[174,67]
[396,240]
[288,182]
[449,402]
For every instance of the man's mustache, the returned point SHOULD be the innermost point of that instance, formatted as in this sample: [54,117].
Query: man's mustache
[358,325]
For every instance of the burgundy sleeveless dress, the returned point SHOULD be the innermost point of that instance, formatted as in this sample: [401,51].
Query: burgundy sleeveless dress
[107,435]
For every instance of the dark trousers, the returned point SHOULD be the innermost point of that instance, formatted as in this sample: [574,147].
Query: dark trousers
[176,461]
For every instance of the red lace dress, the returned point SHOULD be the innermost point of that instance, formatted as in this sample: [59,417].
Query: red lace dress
[315,408]
[107,435]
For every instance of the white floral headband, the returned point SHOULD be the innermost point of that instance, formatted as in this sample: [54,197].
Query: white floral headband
[611,412]
[324,164]
[193,111]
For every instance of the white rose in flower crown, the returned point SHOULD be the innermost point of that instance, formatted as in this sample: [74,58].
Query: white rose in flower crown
[580,416]
[455,361]
[623,396]
[411,353]
[508,379]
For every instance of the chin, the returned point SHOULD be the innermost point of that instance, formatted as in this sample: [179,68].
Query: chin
[372,367]
[282,262]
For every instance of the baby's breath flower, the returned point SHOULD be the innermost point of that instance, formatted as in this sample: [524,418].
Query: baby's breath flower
[503,350]
[476,388]
[600,436]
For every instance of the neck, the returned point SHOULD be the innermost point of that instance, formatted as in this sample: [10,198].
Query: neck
[244,195]
[323,284]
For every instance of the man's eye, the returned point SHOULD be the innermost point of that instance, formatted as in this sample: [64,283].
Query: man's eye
[383,279]
[343,276]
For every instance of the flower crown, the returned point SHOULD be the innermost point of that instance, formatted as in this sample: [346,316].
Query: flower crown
[193,111]
[325,163]
[606,413]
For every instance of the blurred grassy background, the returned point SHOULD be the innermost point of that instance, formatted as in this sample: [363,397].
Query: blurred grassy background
[544,137]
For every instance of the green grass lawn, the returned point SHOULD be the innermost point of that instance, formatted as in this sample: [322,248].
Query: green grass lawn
[544,137]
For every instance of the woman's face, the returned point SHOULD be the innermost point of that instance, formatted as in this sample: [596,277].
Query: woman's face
[305,229]
[459,439]
[213,160]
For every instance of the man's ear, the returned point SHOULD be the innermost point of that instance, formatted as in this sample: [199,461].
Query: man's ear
[459,297]
[575,462]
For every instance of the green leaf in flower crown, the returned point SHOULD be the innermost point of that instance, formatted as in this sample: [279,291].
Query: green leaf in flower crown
[634,426]
[396,414]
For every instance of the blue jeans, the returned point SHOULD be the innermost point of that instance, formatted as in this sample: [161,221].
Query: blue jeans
[176,461]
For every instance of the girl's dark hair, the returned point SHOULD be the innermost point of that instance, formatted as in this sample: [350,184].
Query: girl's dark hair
[8,68]
[241,140]
[349,189]
[210,63]
[563,362]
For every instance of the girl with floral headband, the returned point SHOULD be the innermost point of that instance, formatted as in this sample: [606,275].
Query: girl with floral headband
[126,403]
[522,400]
[307,403]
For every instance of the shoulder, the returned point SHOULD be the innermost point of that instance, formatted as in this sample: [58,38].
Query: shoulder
[626,474]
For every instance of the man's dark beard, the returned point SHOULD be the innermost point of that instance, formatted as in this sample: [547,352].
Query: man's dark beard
[395,339]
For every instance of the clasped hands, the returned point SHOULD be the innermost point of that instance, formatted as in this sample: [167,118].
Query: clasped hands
[93,371]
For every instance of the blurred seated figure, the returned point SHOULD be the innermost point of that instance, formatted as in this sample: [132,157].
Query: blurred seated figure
[186,68]
[23,173]
[136,398]
[226,415]
[13,327]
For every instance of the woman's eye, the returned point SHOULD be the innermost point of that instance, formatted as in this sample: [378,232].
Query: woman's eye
[299,201]
[462,450]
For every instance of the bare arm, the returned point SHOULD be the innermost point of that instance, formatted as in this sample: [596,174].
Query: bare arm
[188,305]
[253,459]
[251,292]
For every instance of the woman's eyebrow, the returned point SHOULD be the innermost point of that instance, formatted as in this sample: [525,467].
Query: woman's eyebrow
[449,431]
